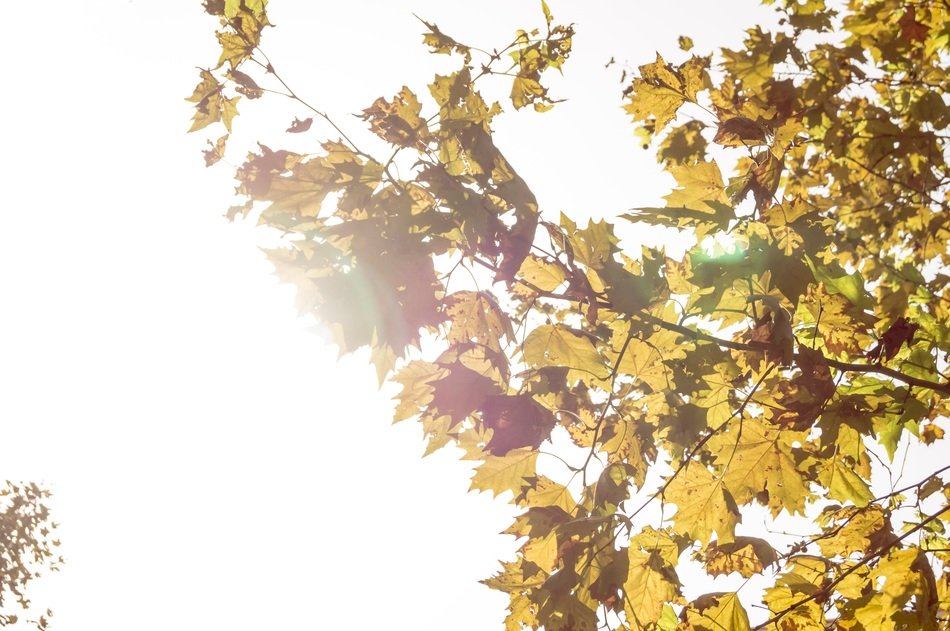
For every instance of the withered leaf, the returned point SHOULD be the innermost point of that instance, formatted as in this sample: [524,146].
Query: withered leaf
[299,126]
[900,333]
[740,131]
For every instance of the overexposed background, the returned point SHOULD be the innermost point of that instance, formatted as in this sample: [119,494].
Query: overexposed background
[214,464]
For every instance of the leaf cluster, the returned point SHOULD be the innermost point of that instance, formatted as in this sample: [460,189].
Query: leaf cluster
[801,338]
[27,547]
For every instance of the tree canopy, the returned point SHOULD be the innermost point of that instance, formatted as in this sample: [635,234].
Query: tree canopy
[640,407]
[28,547]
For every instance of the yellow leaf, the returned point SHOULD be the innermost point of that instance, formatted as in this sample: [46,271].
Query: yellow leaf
[547,492]
[856,530]
[233,7]
[416,378]
[553,345]
[717,612]
[803,577]
[761,459]
[542,552]
[745,555]
[896,581]
[544,275]
[843,484]
[475,316]
[505,473]
[525,90]
[234,48]
[656,95]
[703,505]
[650,584]
[699,187]
[662,542]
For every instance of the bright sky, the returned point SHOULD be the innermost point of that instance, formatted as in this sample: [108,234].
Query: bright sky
[214,465]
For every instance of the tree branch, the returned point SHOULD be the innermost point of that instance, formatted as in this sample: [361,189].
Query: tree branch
[739,346]
[825,591]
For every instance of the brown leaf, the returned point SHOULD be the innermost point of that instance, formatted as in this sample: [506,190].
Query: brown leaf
[899,333]
[802,399]
[745,555]
[398,121]
[782,95]
[740,131]
[773,333]
[460,393]
[216,152]
[763,180]
[259,170]
[931,433]
[246,85]
[911,29]
[515,421]
[300,126]
[213,7]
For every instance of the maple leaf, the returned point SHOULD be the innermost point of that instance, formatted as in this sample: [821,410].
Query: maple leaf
[699,187]
[516,421]
[542,491]
[761,460]
[855,530]
[896,335]
[210,104]
[741,362]
[398,121]
[235,48]
[739,131]
[460,392]
[911,29]
[476,317]
[761,180]
[715,612]
[844,484]
[901,582]
[550,345]
[684,144]
[505,473]
[260,169]
[773,331]
[657,94]
[442,43]
[232,8]
[704,505]
[745,555]
[800,400]
[650,584]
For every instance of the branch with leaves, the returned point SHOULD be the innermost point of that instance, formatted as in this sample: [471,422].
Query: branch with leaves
[802,335]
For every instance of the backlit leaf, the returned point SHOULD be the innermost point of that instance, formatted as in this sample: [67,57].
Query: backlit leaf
[505,473]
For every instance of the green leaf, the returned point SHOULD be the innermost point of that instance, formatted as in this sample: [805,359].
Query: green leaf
[837,281]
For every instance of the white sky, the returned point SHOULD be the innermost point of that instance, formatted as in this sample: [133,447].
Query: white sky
[214,465]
